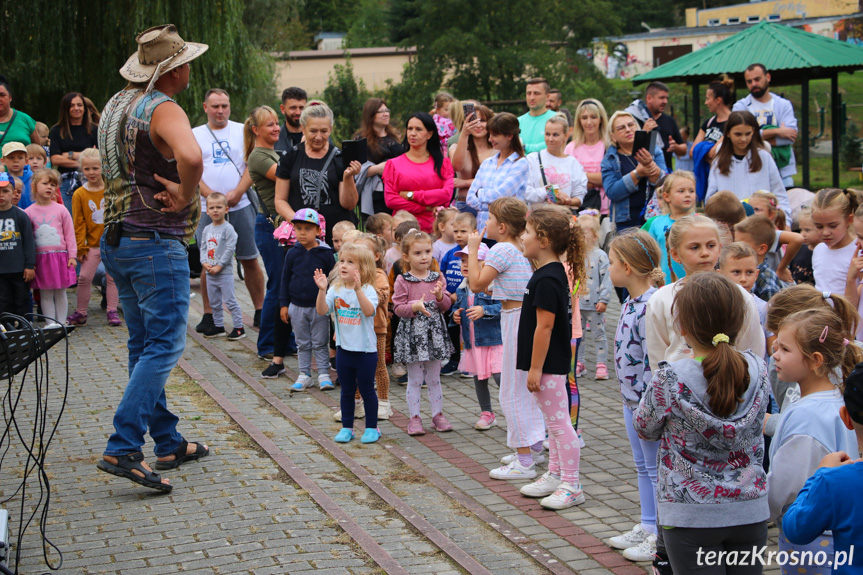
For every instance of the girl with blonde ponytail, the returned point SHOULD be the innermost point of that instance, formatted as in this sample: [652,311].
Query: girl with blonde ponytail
[708,412]
[634,264]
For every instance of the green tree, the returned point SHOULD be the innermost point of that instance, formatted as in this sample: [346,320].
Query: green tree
[370,26]
[487,49]
[82,45]
[345,96]
[276,26]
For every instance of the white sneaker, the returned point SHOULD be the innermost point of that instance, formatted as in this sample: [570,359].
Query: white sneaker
[399,370]
[385,410]
[304,381]
[514,470]
[542,487]
[359,412]
[507,459]
[566,495]
[644,551]
[630,539]
[580,440]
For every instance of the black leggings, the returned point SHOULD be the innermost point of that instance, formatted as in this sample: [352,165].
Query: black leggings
[687,546]
[482,393]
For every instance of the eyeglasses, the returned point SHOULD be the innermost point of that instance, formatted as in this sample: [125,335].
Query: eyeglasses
[626,127]
[384,111]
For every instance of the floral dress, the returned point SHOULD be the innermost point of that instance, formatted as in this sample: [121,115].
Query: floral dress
[422,337]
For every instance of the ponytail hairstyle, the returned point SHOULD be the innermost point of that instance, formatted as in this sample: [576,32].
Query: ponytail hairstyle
[433,143]
[506,124]
[511,212]
[723,88]
[821,331]
[365,259]
[674,235]
[256,119]
[413,236]
[805,296]
[641,253]
[709,310]
[726,153]
[555,224]
[846,201]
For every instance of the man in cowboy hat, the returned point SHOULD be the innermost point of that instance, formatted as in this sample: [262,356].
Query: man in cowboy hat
[152,165]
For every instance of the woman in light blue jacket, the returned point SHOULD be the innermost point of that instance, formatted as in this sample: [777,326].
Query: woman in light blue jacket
[629,181]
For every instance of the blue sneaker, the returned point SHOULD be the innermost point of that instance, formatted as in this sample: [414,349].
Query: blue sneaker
[345,435]
[325,382]
[304,381]
[371,435]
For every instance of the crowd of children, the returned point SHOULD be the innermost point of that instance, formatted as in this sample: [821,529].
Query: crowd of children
[734,349]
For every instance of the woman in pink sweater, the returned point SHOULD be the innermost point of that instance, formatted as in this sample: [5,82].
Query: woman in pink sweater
[421,179]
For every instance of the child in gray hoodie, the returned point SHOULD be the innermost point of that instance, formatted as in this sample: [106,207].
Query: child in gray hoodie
[708,412]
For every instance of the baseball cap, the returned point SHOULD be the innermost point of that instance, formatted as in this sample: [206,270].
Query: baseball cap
[307,215]
[854,394]
[5,180]
[13,147]
[483,249]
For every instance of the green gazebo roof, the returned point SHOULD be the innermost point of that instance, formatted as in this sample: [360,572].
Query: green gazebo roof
[788,53]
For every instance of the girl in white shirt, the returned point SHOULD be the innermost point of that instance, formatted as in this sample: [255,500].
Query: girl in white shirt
[554,166]
[833,214]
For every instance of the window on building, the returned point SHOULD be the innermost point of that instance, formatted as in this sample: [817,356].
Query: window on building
[734,20]
[713,22]
[753,19]
[774,18]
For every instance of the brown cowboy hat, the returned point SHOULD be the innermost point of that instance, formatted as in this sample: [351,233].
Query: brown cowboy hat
[160,49]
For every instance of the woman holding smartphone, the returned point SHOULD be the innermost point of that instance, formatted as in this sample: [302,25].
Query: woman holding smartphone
[555,177]
[470,151]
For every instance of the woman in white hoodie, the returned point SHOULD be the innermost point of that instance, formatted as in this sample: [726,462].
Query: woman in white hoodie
[743,164]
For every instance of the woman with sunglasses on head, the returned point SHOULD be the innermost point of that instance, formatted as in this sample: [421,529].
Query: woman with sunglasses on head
[629,180]
[588,145]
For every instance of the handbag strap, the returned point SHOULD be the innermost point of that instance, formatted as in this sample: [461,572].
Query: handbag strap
[9,128]
[224,151]
[330,157]
[541,169]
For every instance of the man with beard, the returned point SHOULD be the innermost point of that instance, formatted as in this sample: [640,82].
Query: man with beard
[553,100]
[650,115]
[293,103]
[776,117]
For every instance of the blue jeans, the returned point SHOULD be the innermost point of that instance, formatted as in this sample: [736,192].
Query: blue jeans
[274,336]
[67,189]
[152,278]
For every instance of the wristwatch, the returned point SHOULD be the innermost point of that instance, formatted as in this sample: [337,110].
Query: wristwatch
[410,195]
[71,155]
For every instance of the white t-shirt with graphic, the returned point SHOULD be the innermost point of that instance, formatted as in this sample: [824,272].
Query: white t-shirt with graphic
[566,172]
[763,112]
[219,174]
[355,331]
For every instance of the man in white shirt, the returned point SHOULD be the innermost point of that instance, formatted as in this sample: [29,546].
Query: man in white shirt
[770,110]
[225,171]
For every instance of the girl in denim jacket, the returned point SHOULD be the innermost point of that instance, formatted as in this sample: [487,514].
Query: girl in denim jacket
[479,317]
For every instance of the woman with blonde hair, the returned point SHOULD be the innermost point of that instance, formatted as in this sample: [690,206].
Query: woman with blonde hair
[589,142]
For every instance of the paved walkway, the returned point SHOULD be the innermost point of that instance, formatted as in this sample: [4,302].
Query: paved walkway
[422,505]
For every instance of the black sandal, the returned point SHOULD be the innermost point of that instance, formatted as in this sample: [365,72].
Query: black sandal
[125,466]
[181,456]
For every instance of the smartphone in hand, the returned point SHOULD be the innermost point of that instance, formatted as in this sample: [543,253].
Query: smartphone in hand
[469,109]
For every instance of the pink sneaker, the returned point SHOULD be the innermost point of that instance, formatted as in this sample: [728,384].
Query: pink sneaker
[601,371]
[77,318]
[486,421]
[580,369]
[114,318]
[415,426]
[440,423]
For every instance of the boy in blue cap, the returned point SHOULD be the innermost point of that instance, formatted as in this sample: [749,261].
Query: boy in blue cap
[298,296]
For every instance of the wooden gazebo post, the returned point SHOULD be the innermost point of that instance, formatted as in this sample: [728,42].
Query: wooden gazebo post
[804,130]
[836,122]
